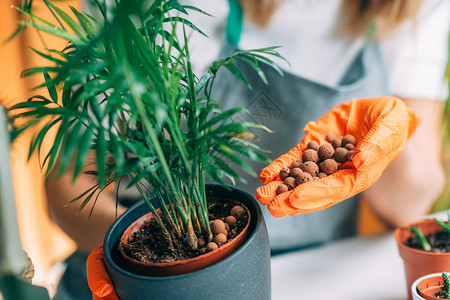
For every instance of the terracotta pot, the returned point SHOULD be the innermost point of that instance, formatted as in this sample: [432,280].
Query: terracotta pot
[244,274]
[425,287]
[183,266]
[416,262]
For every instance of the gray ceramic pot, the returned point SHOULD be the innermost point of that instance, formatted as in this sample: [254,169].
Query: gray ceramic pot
[243,275]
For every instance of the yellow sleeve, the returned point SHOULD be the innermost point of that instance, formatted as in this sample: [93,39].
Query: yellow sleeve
[44,242]
[369,223]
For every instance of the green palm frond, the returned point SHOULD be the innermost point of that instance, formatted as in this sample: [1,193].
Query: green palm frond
[130,95]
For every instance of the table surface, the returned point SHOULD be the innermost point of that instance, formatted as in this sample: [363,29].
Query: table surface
[368,268]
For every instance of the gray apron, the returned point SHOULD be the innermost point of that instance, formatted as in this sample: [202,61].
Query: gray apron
[285,106]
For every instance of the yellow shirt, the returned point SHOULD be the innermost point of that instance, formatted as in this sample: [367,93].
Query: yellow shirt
[44,242]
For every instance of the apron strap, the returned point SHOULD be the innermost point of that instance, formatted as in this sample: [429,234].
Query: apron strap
[371,32]
[234,23]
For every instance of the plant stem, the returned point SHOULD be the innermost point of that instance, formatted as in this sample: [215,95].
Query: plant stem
[422,239]
[158,219]
[443,225]
[172,221]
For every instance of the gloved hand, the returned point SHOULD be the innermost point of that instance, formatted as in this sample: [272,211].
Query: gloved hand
[381,127]
[99,282]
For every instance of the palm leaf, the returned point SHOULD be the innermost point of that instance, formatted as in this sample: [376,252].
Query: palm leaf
[69,21]
[85,23]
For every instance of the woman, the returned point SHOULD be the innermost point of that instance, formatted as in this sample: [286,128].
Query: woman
[340,50]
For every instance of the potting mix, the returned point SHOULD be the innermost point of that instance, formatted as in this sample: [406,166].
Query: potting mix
[148,245]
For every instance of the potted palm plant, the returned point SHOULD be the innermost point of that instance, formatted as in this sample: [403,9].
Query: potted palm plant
[124,89]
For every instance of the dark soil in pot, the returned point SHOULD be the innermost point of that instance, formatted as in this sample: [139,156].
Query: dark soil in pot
[439,241]
[227,218]
[439,295]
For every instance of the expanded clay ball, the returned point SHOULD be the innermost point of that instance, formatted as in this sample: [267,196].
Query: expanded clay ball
[290,182]
[220,239]
[295,172]
[349,147]
[348,139]
[237,212]
[310,167]
[325,151]
[329,137]
[329,166]
[310,155]
[322,175]
[350,154]
[295,164]
[313,145]
[304,177]
[282,188]
[211,246]
[201,242]
[218,226]
[230,220]
[284,173]
[340,155]
[337,142]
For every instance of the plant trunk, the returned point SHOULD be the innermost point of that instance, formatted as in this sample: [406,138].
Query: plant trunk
[191,237]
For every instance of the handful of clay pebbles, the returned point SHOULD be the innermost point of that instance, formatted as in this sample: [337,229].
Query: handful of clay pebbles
[317,161]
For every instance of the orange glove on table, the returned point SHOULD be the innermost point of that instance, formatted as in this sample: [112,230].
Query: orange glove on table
[381,127]
[98,278]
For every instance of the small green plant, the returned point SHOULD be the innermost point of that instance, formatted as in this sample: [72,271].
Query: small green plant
[444,225]
[446,287]
[129,94]
[424,244]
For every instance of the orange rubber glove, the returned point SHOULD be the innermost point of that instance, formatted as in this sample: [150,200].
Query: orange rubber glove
[98,279]
[381,127]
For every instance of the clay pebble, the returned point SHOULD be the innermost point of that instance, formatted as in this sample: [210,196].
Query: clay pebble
[284,173]
[230,220]
[348,139]
[237,212]
[220,239]
[295,172]
[310,167]
[337,142]
[325,151]
[304,177]
[282,188]
[349,147]
[211,246]
[322,175]
[290,183]
[350,154]
[310,155]
[201,242]
[313,145]
[295,164]
[329,137]
[328,166]
[217,226]
[340,155]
